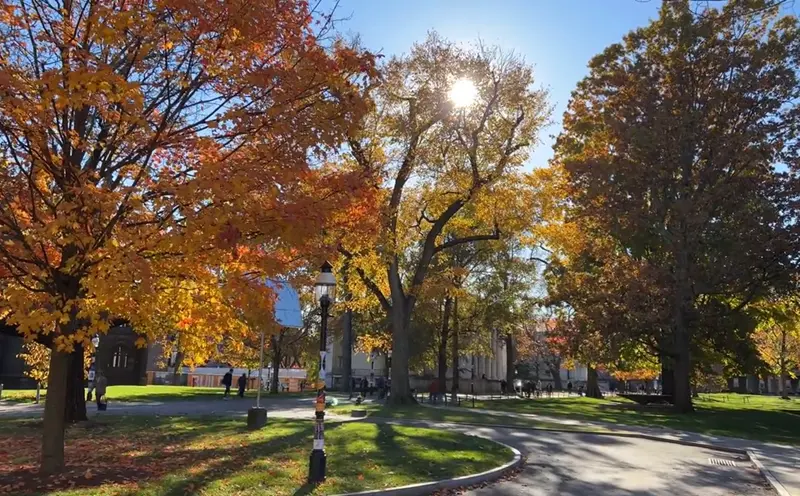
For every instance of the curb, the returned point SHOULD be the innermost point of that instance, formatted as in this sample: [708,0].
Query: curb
[775,483]
[424,488]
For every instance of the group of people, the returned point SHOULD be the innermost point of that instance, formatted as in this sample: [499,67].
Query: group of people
[379,384]
[227,381]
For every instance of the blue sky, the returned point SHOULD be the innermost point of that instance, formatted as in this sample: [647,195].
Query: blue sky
[558,37]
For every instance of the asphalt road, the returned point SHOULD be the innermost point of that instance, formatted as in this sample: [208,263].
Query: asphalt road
[571,464]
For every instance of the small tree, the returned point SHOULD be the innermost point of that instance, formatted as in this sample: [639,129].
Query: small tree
[777,338]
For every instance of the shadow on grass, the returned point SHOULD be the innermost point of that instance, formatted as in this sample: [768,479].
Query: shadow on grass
[735,420]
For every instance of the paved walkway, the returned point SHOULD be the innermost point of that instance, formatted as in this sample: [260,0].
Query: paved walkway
[277,406]
[782,461]
[582,464]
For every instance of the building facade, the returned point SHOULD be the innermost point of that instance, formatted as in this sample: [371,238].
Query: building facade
[481,372]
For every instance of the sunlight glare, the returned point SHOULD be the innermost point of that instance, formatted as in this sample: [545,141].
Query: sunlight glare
[463,93]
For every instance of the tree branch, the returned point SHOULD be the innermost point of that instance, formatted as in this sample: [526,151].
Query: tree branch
[467,239]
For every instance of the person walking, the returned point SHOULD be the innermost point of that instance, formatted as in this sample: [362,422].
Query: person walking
[91,383]
[242,384]
[227,381]
[569,388]
[364,385]
[100,385]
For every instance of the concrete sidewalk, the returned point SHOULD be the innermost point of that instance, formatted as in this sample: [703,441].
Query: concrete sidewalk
[277,406]
[783,462]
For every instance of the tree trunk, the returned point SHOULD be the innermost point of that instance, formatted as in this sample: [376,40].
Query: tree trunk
[555,373]
[176,372]
[276,364]
[592,386]
[54,408]
[445,331]
[783,378]
[667,377]
[680,327]
[683,391]
[347,352]
[401,389]
[510,362]
[75,400]
[455,354]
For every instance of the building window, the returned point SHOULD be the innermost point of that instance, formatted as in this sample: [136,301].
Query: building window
[120,358]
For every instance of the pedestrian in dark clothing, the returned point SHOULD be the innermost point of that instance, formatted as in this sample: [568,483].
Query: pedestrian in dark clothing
[100,391]
[227,381]
[569,388]
[379,385]
[242,384]
[364,384]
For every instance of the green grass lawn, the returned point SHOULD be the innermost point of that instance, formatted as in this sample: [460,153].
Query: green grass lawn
[143,393]
[744,416]
[462,416]
[215,457]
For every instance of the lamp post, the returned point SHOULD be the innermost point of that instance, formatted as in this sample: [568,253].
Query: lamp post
[325,292]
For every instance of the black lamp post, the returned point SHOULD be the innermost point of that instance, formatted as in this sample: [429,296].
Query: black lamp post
[324,291]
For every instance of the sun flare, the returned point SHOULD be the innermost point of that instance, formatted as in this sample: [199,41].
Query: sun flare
[463,93]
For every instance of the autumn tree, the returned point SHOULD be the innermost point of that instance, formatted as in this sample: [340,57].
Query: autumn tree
[449,123]
[777,337]
[670,146]
[142,144]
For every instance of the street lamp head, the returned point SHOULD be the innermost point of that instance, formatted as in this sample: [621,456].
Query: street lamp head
[96,341]
[325,287]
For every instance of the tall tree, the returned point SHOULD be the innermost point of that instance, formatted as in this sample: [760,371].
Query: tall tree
[133,136]
[670,146]
[450,123]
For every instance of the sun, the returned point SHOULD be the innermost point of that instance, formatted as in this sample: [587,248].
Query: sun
[463,93]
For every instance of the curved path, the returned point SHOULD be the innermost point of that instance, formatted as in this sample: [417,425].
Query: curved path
[579,464]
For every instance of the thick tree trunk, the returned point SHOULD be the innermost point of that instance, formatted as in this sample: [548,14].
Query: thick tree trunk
[510,359]
[347,352]
[683,390]
[401,389]
[455,354]
[680,326]
[667,377]
[443,334]
[555,373]
[75,402]
[276,365]
[54,408]
[400,316]
[592,386]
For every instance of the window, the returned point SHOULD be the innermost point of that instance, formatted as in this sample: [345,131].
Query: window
[120,358]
